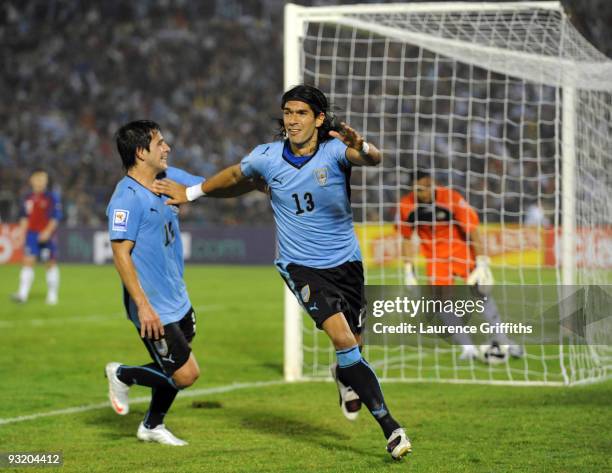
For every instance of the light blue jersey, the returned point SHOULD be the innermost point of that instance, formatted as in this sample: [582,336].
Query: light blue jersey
[310,201]
[137,214]
[182,177]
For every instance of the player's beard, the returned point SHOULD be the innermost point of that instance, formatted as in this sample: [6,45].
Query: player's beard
[307,142]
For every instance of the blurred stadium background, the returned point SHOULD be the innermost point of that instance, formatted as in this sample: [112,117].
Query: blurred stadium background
[73,71]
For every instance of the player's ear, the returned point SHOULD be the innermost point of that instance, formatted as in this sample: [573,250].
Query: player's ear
[139,153]
[320,119]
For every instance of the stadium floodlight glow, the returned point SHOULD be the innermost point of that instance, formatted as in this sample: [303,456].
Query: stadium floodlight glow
[509,105]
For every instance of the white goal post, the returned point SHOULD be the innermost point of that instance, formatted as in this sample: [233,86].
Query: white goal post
[507,103]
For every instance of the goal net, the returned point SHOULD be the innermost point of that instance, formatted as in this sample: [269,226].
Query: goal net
[505,103]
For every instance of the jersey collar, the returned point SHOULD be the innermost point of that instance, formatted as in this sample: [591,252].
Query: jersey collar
[296,161]
[144,187]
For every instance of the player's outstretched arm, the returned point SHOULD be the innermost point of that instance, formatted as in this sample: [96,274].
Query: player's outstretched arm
[229,182]
[358,152]
[150,323]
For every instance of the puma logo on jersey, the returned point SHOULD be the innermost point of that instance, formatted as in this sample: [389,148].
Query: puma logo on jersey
[168,359]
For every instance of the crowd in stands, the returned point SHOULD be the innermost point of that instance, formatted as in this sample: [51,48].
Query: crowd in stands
[211,73]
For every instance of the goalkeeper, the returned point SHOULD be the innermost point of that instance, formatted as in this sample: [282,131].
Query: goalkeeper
[447,227]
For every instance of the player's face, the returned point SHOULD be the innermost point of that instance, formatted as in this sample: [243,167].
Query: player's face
[39,181]
[424,190]
[157,155]
[300,123]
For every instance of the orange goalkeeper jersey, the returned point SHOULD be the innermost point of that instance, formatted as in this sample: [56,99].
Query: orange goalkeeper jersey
[442,225]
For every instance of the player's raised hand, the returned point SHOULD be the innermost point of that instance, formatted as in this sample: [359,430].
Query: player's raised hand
[177,192]
[348,136]
[358,151]
[150,324]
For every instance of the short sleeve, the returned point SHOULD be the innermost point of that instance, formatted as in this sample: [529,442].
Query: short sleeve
[124,217]
[255,164]
[183,177]
[338,150]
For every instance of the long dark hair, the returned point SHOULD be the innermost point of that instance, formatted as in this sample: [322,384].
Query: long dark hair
[318,103]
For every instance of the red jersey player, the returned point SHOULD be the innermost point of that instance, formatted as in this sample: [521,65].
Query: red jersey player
[40,215]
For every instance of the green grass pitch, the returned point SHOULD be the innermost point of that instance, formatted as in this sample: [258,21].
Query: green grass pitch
[52,358]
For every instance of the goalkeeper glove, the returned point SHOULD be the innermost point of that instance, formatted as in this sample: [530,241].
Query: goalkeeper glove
[481,276]
[409,277]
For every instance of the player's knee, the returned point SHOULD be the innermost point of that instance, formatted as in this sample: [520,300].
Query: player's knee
[186,377]
[195,375]
[29,262]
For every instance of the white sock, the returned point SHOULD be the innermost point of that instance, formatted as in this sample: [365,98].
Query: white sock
[26,278]
[53,280]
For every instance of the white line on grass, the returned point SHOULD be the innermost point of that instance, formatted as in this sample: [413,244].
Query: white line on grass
[144,399]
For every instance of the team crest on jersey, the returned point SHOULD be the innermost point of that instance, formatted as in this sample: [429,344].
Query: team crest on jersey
[305,293]
[321,175]
[120,219]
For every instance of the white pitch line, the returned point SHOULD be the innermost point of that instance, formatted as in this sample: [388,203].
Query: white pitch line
[93,318]
[141,400]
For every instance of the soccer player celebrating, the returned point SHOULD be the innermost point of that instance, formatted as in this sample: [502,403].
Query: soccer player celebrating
[307,173]
[40,215]
[447,227]
[148,255]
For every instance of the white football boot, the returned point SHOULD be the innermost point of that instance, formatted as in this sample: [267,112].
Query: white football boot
[17,299]
[348,399]
[398,444]
[117,389]
[159,434]
[51,299]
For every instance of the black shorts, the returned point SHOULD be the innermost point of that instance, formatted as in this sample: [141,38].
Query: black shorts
[325,292]
[173,349]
